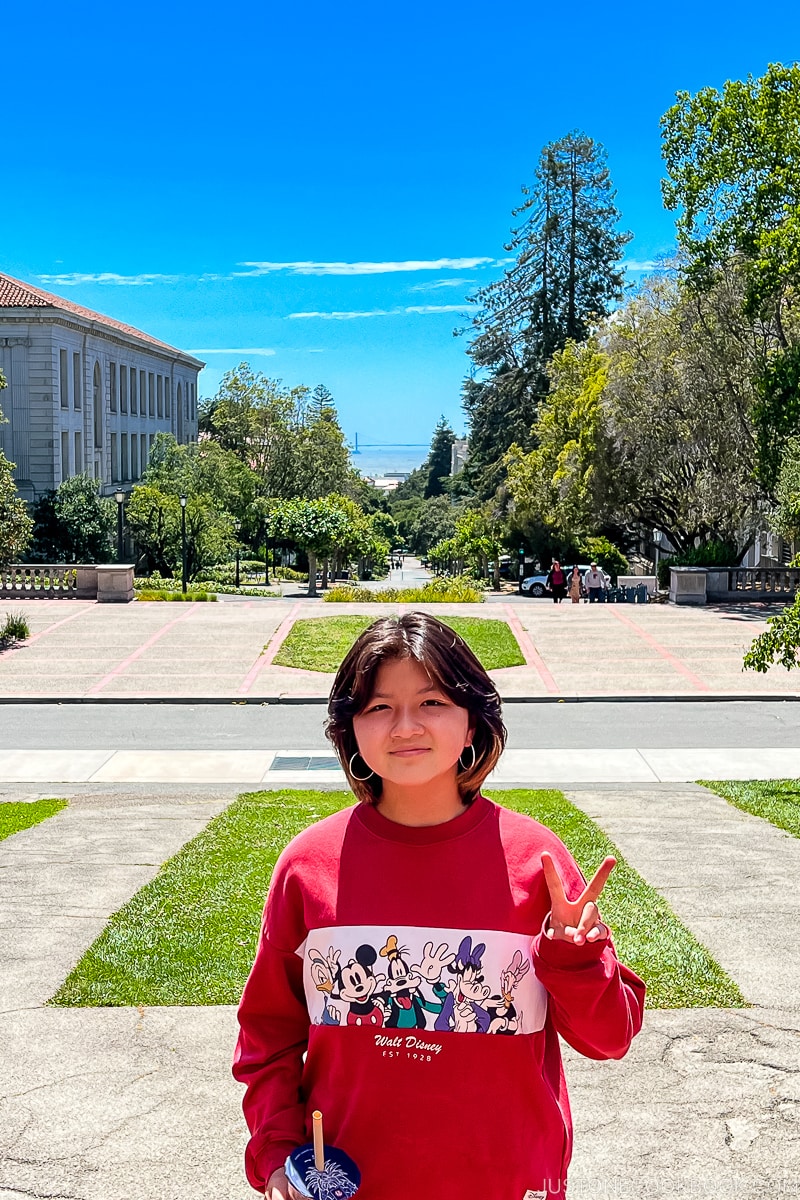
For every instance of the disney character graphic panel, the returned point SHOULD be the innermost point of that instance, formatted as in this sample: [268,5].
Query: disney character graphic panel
[447,980]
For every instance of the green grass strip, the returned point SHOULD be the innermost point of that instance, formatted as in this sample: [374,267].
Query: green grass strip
[189,936]
[14,816]
[320,643]
[678,970]
[776,800]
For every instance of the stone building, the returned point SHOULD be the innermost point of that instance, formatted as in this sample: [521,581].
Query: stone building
[85,392]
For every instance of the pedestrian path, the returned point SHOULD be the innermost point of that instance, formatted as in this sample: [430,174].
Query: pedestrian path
[122,1104]
[278,768]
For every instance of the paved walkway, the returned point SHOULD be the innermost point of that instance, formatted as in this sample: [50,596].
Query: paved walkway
[115,1104]
[146,651]
[292,768]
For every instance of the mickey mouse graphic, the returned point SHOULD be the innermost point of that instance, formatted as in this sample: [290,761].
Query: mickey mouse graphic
[355,983]
[463,1011]
[401,987]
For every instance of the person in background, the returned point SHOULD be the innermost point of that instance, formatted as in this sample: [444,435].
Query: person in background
[557,582]
[575,586]
[595,583]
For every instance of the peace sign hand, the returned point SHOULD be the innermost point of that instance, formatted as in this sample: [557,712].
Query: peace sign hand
[575,921]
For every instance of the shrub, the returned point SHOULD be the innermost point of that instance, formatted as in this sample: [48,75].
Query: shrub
[154,594]
[15,628]
[709,554]
[457,590]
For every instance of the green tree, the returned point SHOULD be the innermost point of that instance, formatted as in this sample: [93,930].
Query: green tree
[560,483]
[255,417]
[435,520]
[566,275]
[437,464]
[733,175]
[733,167]
[74,523]
[317,526]
[779,642]
[787,512]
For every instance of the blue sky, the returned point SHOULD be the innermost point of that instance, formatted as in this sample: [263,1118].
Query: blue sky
[247,177]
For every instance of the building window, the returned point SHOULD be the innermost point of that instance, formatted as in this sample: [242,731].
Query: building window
[64,448]
[168,397]
[149,445]
[123,388]
[134,456]
[112,390]
[134,399]
[78,454]
[114,458]
[151,394]
[142,394]
[97,406]
[160,397]
[124,472]
[143,444]
[77,389]
[63,378]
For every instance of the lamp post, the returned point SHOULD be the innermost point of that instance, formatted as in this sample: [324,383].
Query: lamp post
[658,537]
[183,544]
[119,496]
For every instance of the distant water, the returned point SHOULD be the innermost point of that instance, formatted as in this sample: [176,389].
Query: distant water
[377,460]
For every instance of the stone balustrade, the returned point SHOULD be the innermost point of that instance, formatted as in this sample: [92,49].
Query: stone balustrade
[106,583]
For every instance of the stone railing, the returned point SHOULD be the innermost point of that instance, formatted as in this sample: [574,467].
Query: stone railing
[755,583]
[59,581]
[697,585]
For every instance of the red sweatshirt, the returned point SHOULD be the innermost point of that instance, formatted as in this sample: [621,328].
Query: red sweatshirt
[411,965]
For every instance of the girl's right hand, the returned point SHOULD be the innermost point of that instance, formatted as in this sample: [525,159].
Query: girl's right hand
[279,1188]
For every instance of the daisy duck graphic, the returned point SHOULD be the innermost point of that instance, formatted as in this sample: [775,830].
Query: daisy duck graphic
[463,1011]
[505,1018]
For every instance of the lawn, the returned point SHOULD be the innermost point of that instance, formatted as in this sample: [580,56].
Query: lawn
[189,936]
[14,816]
[320,643]
[776,800]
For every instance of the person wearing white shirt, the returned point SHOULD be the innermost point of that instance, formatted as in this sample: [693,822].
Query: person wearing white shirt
[594,581]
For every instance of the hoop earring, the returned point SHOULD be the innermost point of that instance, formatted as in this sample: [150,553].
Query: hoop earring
[360,778]
[474,756]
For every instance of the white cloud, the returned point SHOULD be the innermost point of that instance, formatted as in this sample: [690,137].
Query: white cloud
[645,264]
[441,308]
[418,310]
[362,268]
[435,284]
[339,316]
[237,350]
[75,278]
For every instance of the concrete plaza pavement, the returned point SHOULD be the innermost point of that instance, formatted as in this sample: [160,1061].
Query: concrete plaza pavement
[141,651]
[139,1103]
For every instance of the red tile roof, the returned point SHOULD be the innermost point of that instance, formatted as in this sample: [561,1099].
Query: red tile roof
[16,294]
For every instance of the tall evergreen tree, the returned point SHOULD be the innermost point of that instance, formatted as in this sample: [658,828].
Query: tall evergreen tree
[565,276]
[437,464]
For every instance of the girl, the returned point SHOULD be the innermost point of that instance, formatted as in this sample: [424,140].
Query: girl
[575,586]
[557,582]
[459,919]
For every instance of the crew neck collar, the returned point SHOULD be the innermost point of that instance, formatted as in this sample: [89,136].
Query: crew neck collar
[423,835]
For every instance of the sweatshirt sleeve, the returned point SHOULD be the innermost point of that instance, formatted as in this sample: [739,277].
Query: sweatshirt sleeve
[273,1037]
[596,1002]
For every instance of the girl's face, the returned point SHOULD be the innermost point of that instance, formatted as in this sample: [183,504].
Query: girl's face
[409,732]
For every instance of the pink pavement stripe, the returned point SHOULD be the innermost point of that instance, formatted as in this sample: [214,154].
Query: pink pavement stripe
[529,651]
[126,662]
[266,657]
[695,680]
[56,624]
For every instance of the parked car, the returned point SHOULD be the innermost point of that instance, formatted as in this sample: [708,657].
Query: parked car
[536,585]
